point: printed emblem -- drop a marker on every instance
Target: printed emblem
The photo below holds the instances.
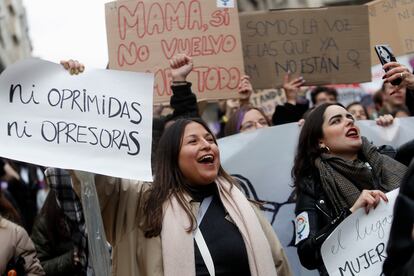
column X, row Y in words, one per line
column 302, row 227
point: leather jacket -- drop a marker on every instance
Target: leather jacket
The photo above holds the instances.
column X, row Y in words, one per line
column 322, row 222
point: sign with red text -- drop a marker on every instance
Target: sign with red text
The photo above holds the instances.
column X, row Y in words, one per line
column 358, row 245
column 144, row 35
column 391, row 22
column 99, row 121
column 325, row 46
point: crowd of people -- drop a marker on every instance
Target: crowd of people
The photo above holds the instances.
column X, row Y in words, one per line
column 193, row 219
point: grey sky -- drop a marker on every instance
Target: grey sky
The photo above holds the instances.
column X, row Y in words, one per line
column 63, row 29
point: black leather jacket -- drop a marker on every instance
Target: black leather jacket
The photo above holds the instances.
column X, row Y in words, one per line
column 322, row 222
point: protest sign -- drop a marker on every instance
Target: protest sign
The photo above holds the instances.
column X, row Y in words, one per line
column 390, row 22
column 144, row 35
column 325, row 46
column 99, row 121
column 267, row 99
column 358, row 244
column 262, row 160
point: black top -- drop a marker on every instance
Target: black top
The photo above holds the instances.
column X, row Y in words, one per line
column 222, row 237
column 289, row 113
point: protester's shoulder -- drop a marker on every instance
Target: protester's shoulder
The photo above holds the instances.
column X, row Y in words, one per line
column 15, row 231
column 309, row 185
column 387, row 150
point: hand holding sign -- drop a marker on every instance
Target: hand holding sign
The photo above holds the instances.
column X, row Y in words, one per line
column 245, row 88
column 53, row 119
column 73, row 66
column 368, row 199
column 291, row 87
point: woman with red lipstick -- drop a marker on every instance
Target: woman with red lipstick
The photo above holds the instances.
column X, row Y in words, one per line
column 336, row 171
column 192, row 220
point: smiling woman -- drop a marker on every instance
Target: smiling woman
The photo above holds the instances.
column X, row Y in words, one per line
column 192, row 220
column 336, row 171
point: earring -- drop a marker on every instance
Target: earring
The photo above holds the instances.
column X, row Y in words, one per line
column 325, row 149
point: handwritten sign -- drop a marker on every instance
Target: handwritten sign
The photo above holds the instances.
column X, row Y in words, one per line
column 358, row 245
column 325, row 46
column 98, row 121
column 390, row 22
column 267, row 99
column 144, row 35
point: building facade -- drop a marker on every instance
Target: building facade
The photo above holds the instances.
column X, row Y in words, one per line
column 14, row 37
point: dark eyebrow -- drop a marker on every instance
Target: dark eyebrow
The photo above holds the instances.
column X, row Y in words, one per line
column 334, row 117
column 349, row 115
column 190, row 136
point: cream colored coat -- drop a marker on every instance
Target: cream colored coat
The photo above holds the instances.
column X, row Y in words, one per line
column 14, row 241
column 133, row 254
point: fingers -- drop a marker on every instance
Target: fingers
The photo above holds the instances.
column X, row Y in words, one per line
column 245, row 87
column 385, row 120
column 371, row 198
column 297, row 82
column 390, row 65
column 395, row 71
column 179, row 60
column 73, row 66
column 286, row 78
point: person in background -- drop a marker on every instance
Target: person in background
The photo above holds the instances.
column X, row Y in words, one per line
column 51, row 236
column 394, row 98
column 401, row 112
column 336, row 171
column 358, row 111
column 17, row 252
column 246, row 118
column 323, row 94
column 231, row 106
column 395, row 71
column 293, row 110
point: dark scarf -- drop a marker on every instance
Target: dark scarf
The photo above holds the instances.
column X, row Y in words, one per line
column 67, row 199
column 343, row 180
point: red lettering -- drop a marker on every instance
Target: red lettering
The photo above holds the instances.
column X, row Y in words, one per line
column 199, row 46
column 155, row 19
column 128, row 19
column 206, row 79
column 130, row 55
column 220, row 18
column 174, row 15
column 159, row 17
column 195, row 16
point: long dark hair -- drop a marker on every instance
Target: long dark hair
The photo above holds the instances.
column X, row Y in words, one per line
column 308, row 145
column 169, row 180
column 7, row 210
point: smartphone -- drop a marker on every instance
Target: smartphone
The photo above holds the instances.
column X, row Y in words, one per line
column 385, row 55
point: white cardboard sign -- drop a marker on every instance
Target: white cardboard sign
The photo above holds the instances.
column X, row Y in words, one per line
column 358, row 245
column 99, row 121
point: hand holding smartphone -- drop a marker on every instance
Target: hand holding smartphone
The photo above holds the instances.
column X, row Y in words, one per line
column 385, row 55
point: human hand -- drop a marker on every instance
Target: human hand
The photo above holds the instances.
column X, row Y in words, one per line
column 245, row 88
column 181, row 65
column 291, row 87
column 9, row 173
column 73, row 66
column 385, row 120
column 395, row 71
column 301, row 122
column 368, row 199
